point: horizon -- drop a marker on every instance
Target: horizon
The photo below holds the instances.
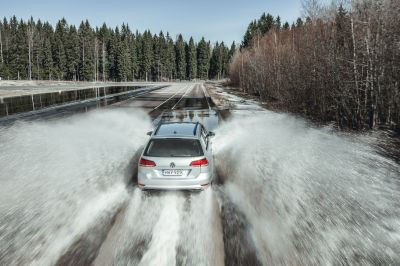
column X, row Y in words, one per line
column 224, row 21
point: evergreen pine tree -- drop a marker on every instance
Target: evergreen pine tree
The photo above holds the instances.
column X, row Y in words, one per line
column 4, row 35
column 203, row 59
column 162, row 56
column 123, row 58
column 170, row 58
column 232, row 50
column 225, row 61
column 214, row 64
column 47, row 60
column 139, row 49
column 191, row 60
column 12, row 53
column 104, row 37
column 86, row 69
column 265, row 23
column 299, row 22
column 180, row 58
column 72, row 54
column 250, row 32
column 286, row 26
column 38, row 41
column 22, row 51
column 278, row 22
column 59, row 57
column 156, row 66
column 134, row 57
column 146, row 55
column 111, row 54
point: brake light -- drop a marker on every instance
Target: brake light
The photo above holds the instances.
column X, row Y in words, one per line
column 146, row 163
column 201, row 162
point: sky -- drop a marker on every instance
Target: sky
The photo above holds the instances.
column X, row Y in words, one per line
column 218, row 20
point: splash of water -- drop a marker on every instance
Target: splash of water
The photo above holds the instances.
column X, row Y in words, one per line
column 60, row 177
column 201, row 238
column 311, row 197
column 161, row 249
column 166, row 228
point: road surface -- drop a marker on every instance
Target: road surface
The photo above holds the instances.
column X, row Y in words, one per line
column 286, row 193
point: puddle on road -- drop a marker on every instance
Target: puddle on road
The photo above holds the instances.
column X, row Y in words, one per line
column 68, row 103
column 208, row 117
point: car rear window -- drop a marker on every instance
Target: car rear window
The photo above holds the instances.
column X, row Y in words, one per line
column 174, row 148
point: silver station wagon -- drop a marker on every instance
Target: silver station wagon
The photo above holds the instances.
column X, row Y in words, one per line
column 178, row 156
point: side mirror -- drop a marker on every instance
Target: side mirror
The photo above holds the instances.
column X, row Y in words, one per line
column 210, row 134
column 149, row 133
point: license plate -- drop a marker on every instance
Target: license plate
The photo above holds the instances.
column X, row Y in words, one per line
column 172, row 172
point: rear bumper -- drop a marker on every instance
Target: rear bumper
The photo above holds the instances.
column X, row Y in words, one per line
column 152, row 187
column 203, row 181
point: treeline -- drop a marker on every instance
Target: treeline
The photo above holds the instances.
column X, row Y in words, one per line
column 34, row 50
column 341, row 64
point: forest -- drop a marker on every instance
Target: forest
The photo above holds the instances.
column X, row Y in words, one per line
column 34, row 50
column 340, row 63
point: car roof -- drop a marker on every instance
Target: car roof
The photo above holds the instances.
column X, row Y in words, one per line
column 177, row 130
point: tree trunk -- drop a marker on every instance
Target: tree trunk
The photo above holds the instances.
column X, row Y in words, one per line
column 30, row 48
column 83, row 58
column 355, row 73
column 103, row 61
column 95, row 60
column 370, row 81
column 30, row 61
column 1, row 48
column 37, row 67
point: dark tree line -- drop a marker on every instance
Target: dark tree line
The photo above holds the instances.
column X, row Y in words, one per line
column 35, row 50
column 341, row 64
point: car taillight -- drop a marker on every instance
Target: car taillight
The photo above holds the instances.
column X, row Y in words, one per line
column 146, row 163
column 202, row 162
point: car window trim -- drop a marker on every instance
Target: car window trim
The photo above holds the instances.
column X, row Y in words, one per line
column 145, row 153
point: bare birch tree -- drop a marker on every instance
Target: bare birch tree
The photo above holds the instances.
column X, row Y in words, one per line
column 341, row 66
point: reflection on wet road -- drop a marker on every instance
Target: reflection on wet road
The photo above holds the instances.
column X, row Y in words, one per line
column 61, row 104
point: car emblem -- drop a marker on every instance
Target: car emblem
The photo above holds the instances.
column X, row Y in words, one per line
column 172, row 165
